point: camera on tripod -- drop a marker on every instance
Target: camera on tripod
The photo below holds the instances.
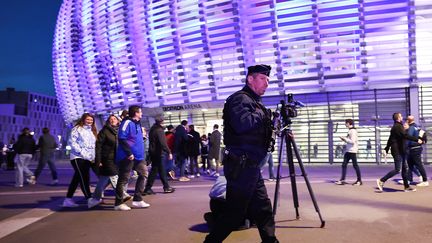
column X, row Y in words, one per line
column 286, row 111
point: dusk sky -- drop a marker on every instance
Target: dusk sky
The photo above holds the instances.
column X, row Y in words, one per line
column 26, row 30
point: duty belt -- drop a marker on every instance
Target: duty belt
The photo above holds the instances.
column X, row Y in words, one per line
column 244, row 160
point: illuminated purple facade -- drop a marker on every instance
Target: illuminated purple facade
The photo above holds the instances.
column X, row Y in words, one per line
column 111, row 54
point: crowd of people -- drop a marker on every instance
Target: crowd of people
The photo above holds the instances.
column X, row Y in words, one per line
column 118, row 154
column 119, row 151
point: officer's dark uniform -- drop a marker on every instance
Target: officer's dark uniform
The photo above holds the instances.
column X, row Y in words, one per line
column 247, row 132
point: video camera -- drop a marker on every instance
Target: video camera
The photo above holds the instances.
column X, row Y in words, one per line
column 285, row 111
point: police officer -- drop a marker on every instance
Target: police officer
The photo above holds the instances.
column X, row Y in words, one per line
column 247, row 136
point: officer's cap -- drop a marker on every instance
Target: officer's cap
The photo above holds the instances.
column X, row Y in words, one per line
column 263, row 69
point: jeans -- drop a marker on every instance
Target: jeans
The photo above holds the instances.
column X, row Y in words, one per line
column 22, row 161
column 168, row 163
column 399, row 161
column 181, row 160
column 157, row 168
column 44, row 159
column 347, row 157
column 268, row 159
column 193, row 164
column 205, row 162
column 103, row 182
column 414, row 161
column 125, row 167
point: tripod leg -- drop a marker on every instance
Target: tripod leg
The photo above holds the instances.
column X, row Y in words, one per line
column 309, row 186
column 292, row 175
column 278, row 175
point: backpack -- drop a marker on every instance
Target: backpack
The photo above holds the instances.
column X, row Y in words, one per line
column 423, row 135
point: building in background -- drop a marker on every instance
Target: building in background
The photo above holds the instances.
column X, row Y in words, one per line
column 344, row 59
column 19, row 109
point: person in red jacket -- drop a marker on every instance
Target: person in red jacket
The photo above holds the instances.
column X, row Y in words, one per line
column 169, row 163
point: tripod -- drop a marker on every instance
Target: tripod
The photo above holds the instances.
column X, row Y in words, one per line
column 287, row 136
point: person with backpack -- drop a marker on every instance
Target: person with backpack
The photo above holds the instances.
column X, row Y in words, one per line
column 414, row 151
column 397, row 143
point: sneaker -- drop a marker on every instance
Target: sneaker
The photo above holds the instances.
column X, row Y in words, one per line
column 340, row 182
column 271, row 179
column 401, row 182
column 92, row 202
column 191, row 176
column 169, row 190
column 54, row 182
column 140, row 204
column 122, row 207
column 380, row 185
column 31, row 180
column 126, row 198
column 148, row 192
column 420, row 178
column 207, row 172
column 198, row 175
column 134, row 175
column 424, row 183
column 69, row 203
column 184, row 179
column 410, row 189
column 216, row 174
column 19, row 185
column 357, row 183
column 171, row 174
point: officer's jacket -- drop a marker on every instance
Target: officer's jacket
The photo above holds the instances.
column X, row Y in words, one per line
column 247, row 124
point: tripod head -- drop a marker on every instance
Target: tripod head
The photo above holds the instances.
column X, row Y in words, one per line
column 284, row 112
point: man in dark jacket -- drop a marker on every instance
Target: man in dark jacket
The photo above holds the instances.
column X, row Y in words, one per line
column 180, row 144
column 25, row 147
column 193, row 151
column 414, row 150
column 47, row 145
column 214, row 150
column 396, row 142
column 247, row 134
column 158, row 145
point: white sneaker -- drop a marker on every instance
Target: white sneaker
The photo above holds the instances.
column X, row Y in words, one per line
column 198, row 175
column 140, row 204
column 424, row 183
column 191, row 176
column 216, row 175
column 184, row 178
column 69, row 203
column 92, row 202
column 31, row 180
column 122, row 207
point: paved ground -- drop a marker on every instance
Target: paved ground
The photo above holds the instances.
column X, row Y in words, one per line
column 352, row 214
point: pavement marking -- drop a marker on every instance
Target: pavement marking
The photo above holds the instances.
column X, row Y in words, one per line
column 17, row 222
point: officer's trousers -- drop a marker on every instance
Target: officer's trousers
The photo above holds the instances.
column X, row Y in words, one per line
column 246, row 196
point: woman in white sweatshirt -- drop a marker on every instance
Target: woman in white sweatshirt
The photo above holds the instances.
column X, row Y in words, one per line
column 82, row 141
column 351, row 150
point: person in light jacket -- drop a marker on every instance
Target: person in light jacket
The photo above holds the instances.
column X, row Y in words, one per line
column 82, row 141
column 351, row 150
